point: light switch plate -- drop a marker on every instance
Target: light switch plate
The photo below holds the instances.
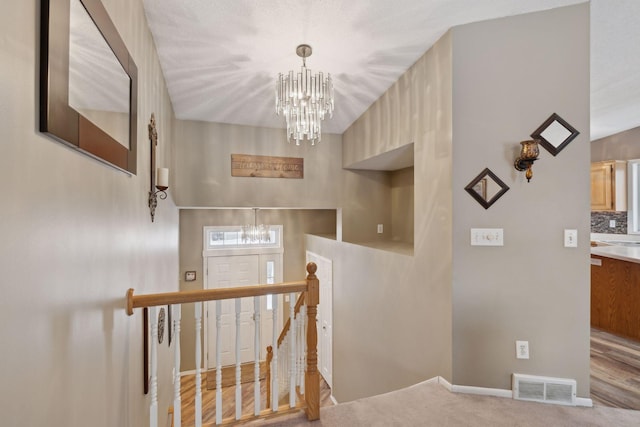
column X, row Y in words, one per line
column 570, row 238
column 487, row 237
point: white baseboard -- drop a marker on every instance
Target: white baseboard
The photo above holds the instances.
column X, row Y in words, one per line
column 192, row 372
column 584, row 401
column 498, row 392
column 333, row 399
column 445, row 383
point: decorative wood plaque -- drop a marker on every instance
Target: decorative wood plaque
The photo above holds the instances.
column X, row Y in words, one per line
column 266, row 166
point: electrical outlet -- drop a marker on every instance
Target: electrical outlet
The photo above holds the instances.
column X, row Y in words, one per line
column 522, row 349
column 380, row 228
column 570, row 238
column 612, row 223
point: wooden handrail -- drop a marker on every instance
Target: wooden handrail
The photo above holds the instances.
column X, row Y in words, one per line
column 183, row 297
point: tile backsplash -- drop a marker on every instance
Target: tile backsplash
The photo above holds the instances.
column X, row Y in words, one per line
column 600, row 222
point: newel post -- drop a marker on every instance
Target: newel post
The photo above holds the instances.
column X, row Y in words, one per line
column 312, row 376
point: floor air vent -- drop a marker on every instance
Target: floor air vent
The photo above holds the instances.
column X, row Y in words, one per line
column 560, row 391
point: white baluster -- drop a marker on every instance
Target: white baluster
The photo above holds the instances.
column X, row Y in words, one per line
column 153, row 407
column 303, row 343
column 274, row 369
column 256, row 346
column 177, row 400
column 300, row 348
column 292, row 351
column 284, row 368
column 238, row 369
column 218, row 363
column 198, row 402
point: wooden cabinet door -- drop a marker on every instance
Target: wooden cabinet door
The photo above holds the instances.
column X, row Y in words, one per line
column 602, row 186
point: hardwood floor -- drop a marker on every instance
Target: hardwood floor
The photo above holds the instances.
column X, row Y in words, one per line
column 615, row 370
column 188, row 392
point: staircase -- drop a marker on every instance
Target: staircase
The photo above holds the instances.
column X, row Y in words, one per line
column 292, row 361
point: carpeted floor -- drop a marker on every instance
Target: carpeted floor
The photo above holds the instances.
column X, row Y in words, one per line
column 431, row 404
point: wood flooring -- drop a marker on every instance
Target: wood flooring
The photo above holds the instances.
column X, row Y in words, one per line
column 615, row 370
column 188, row 392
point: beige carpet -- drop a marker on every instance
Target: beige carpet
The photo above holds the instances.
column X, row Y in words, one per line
column 430, row 404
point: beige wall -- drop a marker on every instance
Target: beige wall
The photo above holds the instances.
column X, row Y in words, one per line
column 402, row 206
column 76, row 234
column 203, row 177
column 621, row 146
column 478, row 92
column 392, row 312
column 296, row 223
column 508, row 77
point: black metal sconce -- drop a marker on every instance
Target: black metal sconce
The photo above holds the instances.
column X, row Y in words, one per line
column 159, row 186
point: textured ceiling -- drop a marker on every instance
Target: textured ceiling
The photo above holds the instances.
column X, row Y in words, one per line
column 220, row 57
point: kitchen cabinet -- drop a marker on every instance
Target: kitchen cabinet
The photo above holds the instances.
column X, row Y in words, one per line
column 609, row 186
column 615, row 296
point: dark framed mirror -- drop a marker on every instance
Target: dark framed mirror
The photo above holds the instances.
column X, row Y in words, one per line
column 88, row 82
column 486, row 188
column 555, row 134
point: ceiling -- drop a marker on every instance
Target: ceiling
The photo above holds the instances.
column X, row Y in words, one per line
column 220, row 58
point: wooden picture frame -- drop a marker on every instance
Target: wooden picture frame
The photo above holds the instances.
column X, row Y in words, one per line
column 57, row 118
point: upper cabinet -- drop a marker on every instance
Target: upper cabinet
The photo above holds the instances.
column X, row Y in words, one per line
column 609, row 186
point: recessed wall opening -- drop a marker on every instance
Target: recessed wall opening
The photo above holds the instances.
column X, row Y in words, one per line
column 394, row 218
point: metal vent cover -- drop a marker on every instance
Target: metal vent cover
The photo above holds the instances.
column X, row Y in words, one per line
column 561, row 391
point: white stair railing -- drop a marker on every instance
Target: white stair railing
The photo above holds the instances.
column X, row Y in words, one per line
column 256, row 355
column 292, row 351
column 198, row 402
column 177, row 400
column 153, row 358
column 288, row 369
column 275, row 395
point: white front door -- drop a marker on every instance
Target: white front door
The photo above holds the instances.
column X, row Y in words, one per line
column 226, row 272
column 325, row 316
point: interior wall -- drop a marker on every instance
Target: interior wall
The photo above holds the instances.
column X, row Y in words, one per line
column 204, row 176
column 399, row 331
column 76, row 234
column 402, row 205
column 296, row 223
column 620, row 146
column 508, row 77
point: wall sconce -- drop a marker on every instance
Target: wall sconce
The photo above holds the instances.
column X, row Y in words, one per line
column 158, row 187
column 528, row 154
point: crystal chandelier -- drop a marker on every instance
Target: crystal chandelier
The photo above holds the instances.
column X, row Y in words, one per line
column 304, row 100
column 255, row 233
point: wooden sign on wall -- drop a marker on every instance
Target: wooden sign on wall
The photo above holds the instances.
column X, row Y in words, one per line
column 266, row 166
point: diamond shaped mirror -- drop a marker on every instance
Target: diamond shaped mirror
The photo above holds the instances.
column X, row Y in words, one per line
column 555, row 134
column 486, row 188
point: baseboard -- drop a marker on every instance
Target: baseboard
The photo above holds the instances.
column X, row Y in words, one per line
column 333, row 399
column 497, row 392
column 445, row 383
column 483, row 391
column 584, row 401
column 192, row 372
